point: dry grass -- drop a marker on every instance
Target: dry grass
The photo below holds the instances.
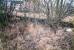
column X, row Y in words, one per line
column 39, row 37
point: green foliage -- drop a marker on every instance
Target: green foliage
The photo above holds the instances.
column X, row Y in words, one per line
column 3, row 16
column 3, row 20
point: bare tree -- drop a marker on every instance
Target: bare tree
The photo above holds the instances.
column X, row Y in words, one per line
column 56, row 10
